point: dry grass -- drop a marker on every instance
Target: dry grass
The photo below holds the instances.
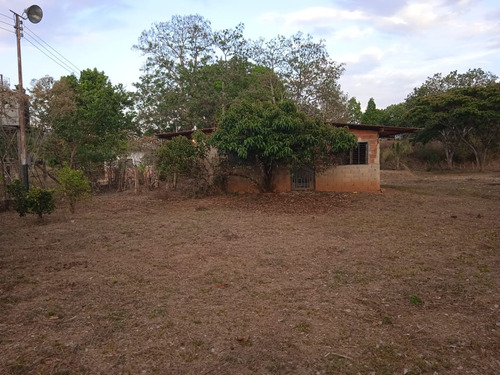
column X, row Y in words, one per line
column 404, row 281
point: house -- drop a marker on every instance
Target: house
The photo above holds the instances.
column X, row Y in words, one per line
column 358, row 170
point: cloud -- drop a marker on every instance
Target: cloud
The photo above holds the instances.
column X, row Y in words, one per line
column 373, row 7
column 352, row 32
column 365, row 61
column 314, row 16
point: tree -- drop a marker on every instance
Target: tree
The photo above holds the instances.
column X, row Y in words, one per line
column 267, row 136
column 477, row 121
column 184, row 86
column 469, row 115
column 394, row 115
column 88, row 119
column 430, row 106
column 74, row 185
column 181, row 156
column 438, row 84
column 355, row 113
column 372, row 115
column 309, row 74
column 35, row 201
column 398, row 151
column 175, row 51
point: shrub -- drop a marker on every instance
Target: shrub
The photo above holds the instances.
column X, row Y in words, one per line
column 41, row 201
column 74, row 185
column 37, row 201
column 18, row 192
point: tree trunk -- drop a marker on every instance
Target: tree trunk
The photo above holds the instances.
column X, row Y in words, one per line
column 268, row 178
column 136, row 180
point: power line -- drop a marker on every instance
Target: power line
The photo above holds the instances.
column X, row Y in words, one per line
column 47, row 52
column 50, row 57
column 10, row 31
column 52, row 48
column 10, row 17
column 7, row 23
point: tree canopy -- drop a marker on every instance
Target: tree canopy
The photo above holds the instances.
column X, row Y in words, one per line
column 372, row 115
column 86, row 118
column 268, row 136
column 469, row 115
column 193, row 74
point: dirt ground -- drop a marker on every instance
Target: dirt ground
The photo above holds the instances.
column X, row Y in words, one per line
column 405, row 281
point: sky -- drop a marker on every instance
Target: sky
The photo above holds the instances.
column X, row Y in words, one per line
column 388, row 47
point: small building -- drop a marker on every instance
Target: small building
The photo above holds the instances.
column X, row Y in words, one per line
column 357, row 170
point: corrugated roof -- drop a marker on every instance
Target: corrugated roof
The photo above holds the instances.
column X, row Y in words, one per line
column 383, row 130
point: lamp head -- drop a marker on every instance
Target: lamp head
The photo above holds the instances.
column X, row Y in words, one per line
column 34, row 13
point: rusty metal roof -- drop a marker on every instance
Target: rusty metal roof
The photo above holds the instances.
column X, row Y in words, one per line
column 185, row 133
column 383, row 130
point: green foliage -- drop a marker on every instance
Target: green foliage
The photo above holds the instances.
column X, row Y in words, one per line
column 394, row 115
column 355, row 113
column 372, row 115
column 74, row 185
column 438, row 84
column 268, row 135
column 468, row 116
column 416, row 300
column 176, row 155
column 182, row 156
column 18, row 192
column 40, row 201
column 194, row 74
column 37, row 201
column 88, row 119
column 398, row 151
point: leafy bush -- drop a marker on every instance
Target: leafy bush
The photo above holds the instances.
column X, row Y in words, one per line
column 18, row 192
column 74, row 185
column 37, row 201
column 41, row 201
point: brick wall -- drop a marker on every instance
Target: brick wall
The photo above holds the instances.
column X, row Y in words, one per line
column 354, row 177
column 337, row 178
column 239, row 184
column 349, row 178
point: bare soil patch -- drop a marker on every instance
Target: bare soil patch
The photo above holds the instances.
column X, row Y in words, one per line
column 405, row 281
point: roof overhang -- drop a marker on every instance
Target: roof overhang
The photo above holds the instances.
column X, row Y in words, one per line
column 382, row 130
column 185, row 133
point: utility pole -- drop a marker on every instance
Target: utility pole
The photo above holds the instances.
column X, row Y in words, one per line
column 34, row 14
column 22, row 119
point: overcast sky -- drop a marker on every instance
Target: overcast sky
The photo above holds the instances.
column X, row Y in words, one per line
column 389, row 46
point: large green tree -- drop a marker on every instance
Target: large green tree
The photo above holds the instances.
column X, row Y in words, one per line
column 372, row 115
column 267, row 136
column 355, row 112
column 175, row 51
column 193, row 74
column 469, row 115
column 438, row 83
column 87, row 118
column 394, row 115
column 182, row 156
column 431, row 104
column 311, row 77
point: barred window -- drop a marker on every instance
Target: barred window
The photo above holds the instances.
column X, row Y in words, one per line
column 358, row 155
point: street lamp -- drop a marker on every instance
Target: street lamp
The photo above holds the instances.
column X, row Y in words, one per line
column 34, row 14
